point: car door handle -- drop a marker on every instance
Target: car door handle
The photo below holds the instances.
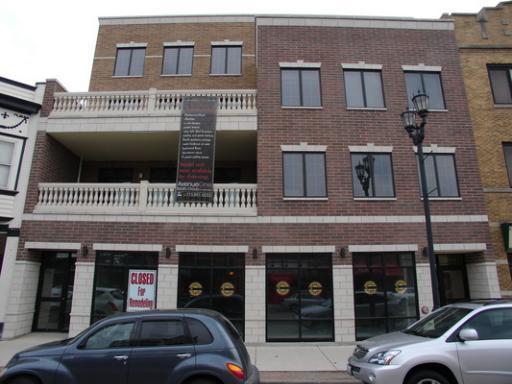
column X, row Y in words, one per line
column 183, row 355
column 121, row 357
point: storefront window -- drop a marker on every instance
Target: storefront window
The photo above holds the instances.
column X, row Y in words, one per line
column 385, row 293
column 299, row 297
column 213, row 281
column 112, row 282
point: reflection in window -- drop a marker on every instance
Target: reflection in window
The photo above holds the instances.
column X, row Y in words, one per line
column 441, row 175
column 304, row 174
column 111, row 336
column 372, row 175
column 130, row 62
column 427, row 82
column 363, row 89
column 385, row 292
column 501, row 84
column 177, row 61
column 300, row 88
column 162, row 332
column 495, row 324
column 226, row 60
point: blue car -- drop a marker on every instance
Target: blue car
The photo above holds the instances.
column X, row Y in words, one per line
column 189, row 346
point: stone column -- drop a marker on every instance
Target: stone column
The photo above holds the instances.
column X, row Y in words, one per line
column 344, row 310
column 81, row 307
column 255, row 303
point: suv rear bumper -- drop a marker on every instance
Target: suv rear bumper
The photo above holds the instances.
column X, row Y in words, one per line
column 255, row 376
column 374, row 373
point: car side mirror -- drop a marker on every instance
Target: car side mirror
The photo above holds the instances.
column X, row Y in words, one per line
column 468, row 334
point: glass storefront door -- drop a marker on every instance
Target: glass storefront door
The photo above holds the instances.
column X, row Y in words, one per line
column 213, row 281
column 299, row 297
column 453, row 281
column 385, row 294
column 55, row 292
column 111, row 280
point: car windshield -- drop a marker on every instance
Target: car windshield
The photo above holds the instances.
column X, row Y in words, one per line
column 438, row 322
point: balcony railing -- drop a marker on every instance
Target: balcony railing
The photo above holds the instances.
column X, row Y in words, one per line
column 143, row 198
column 67, row 104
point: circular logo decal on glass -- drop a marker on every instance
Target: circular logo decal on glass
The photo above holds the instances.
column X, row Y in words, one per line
column 195, row 288
column 227, row 289
column 400, row 286
column 370, row 288
column 282, row 288
column 315, row 288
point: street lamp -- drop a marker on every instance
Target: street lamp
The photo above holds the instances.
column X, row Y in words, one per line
column 416, row 131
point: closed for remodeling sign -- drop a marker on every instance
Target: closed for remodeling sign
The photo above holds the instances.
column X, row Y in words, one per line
column 141, row 290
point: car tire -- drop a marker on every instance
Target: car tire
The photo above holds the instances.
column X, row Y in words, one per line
column 23, row 380
column 428, row 377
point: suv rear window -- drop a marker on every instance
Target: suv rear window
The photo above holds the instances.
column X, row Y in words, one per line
column 200, row 334
column 162, row 332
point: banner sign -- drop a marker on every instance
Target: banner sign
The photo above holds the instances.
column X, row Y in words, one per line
column 194, row 181
column 141, row 290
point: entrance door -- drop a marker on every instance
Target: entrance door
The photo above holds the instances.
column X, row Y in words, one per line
column 55, row 292
column 453, row 279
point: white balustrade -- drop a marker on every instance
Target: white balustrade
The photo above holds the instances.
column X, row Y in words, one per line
column 143, row 198
column 68, row 104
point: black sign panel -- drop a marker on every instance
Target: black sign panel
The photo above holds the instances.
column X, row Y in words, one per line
column 194, row 181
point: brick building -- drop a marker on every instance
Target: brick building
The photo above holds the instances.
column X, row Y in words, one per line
column 316, row 231
column 485, row 47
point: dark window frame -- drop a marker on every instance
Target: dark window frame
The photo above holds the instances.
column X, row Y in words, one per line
column 301, row 93
column 508, row 166
column 226, row 54
column 365, row 101
column 421, row 73
column 304, row 174
column 178, row 48
column 436, row 174
column 370, row 154
column 507, row 67
column 130, row 61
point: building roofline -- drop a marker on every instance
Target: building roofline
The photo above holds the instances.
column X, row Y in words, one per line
column 469, row 14
column 17, row 83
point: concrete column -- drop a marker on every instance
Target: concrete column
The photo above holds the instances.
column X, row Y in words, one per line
column 255, row 303
column 167, row 289
column 80, row 317
column 8, row 266
column 21, row 299
column 424, row 287
column 344, row 310
column 483, row 280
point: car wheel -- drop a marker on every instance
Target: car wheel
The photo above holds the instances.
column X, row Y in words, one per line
column 23, row 380
column 427, row 377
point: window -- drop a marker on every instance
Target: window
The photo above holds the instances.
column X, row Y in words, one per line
column 372, row 175
column 507, row 150
column 112, row 336
column 363, row 89
column 6, row 152
column 304, row 174
column 300, row 88
column 130, row 62
column 441, row 175
column 226, row 60
column 428, row 82
column 200, row 334
column 493, row 324
column 177, row 61
column 501, row 83
column 162, row 332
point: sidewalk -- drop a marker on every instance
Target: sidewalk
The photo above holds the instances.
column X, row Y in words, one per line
column 278, row 362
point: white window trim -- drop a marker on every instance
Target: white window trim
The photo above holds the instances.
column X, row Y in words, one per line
column 460, row 247
column 422, row 68
column 433, row 148
column 213, row 248
column 370, row 148
column 52, row 246
column 15, row 161
column 227, row 42
column 383, row 248
column 132, row 44
column 362, row 65
column 298, row 249
column 299, row 64
column 303, row 147
column 179, row 43
column 127, row 247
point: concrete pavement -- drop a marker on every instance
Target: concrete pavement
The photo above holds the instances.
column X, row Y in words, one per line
column 278, row 362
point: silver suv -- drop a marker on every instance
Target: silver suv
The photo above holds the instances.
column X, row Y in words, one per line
column 464, row 343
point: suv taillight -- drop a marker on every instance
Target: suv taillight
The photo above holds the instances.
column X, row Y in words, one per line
column 235, row 370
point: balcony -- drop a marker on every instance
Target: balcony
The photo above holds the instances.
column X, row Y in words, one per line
column 142, row 199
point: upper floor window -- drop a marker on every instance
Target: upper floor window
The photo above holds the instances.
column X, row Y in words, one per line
column 501, row 83
column 6, row 157
column 304, row 174
column 507, row 150
column 363, row 89
column 300, row 87
column 226, row 60
column 372, row 175
column 427, row 82
column 130, row 62
column 441, row 175
column 177, row 60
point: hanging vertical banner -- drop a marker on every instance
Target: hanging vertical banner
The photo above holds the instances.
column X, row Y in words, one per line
column 194, row 181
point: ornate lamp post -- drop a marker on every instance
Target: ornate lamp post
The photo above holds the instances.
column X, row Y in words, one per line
column 416, row 131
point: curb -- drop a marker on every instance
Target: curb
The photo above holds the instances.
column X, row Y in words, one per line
column 297, row 377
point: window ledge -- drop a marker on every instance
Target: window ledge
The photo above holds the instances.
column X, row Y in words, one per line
column 443, row 199
column 225, row 74
column 305, row 198
column 8, row 192
column 177, row 75
column 502, row 105
column 438, row 110
column 375, row 198
column 300, row 107
column 365, row 109
column 127, row 76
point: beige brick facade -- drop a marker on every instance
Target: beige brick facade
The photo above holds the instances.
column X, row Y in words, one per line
column 486, row 38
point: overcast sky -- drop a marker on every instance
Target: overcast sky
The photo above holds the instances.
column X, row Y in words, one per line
column 43, row 39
